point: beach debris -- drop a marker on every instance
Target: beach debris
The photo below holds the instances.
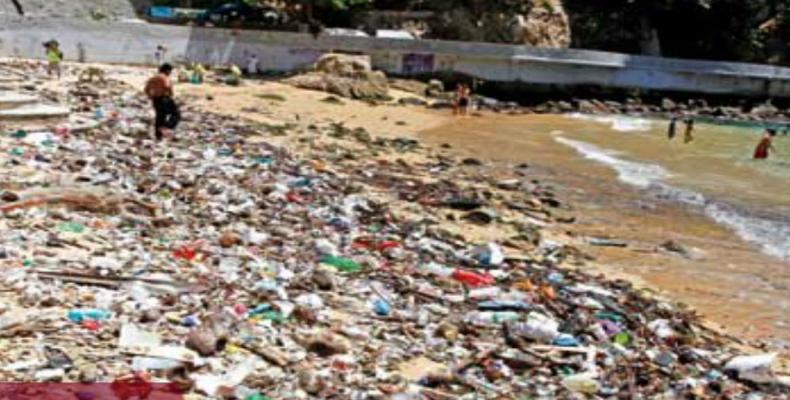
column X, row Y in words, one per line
column 237, row 268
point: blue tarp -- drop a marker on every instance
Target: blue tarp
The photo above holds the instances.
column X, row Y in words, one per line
column 162, row 12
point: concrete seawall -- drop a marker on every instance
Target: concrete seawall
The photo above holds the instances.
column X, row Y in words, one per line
column 135, row 43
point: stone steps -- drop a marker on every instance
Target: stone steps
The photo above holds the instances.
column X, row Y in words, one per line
column 33, row 111
column 16, row 106
column 10, row 100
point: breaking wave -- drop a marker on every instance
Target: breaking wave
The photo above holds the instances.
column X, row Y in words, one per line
column 635, row 173
column 770, row 233
column 617, row 122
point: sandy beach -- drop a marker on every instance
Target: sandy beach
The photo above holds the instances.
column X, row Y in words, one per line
column 451, row 178
column 587, row 187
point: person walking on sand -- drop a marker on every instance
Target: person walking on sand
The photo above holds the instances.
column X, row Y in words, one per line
column 161, row 54
column 462, row 99
column 54, row 58
column 689, row 136
column 766, row 145
column 252, row 65
column 673, row 126
column 160, row 90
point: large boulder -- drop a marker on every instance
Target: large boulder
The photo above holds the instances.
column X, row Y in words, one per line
column 349, row 76
column 343, row 64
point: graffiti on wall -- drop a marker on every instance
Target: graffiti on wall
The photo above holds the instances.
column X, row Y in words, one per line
column 417, row 63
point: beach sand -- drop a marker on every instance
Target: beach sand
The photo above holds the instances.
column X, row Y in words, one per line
column 604, row 207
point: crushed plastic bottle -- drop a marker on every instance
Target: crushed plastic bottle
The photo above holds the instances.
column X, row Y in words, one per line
column 341, row 263
column 472, row 278
column 88, row 314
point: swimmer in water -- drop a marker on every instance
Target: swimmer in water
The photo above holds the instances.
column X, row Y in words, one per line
column 672, row 130
column 766, row 145
column 689, row 137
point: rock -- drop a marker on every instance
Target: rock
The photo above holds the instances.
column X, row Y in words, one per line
column 509, row 184
column 311, row 382
column 343, row 64
column 412, row 101
column 668, row 105
column 546, row 25
column 229, row 239
column 345, row 76
column 89, row 373
column 203, row 340
column 327, row 344
column 471, row 162
column 447, row 331
column 481, row 217
column 435, row 88
column 409, row 85
column 564, row 106
column 764, row 110
column 587, row 107
column 9, row 196
column 323, row 280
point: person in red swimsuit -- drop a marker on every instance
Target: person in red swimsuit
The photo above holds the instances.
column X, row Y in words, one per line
column 766, row 146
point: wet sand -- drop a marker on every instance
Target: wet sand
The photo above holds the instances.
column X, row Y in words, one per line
column 731, row 283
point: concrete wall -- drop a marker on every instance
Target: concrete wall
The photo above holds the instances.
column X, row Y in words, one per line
column 135, row 43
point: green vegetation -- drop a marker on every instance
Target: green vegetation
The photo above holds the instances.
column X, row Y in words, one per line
column 742, row 30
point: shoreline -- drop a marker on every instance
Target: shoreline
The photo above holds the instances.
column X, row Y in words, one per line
column 305, row 117
column 415, row 122
column 375, row 120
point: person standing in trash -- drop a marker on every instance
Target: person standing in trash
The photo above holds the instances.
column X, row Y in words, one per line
column 54, row 57
column 160, row 90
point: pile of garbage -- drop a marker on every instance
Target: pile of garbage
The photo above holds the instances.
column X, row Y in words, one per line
column 233, row 268
column 349, row 76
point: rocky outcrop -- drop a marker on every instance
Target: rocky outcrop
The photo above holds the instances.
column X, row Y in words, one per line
column 346, row 76
column 546, row 25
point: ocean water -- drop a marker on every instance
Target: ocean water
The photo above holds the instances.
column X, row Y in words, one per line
column 715, row 173
column 624, row 179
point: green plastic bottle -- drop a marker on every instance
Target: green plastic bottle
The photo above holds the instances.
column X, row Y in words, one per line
column 342, row 263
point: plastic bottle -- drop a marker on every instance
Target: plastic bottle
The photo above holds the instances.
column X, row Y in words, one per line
column 472, row 278
column 342, row 264
column 88, row 314
column 326, row 248
column 381, row 307
column 490, row 255
column 565, row 340
column 259, row 309
column 502, row 305
column 581, row 383
column 484, row 293
column 492, row 318
column 538, row 327
column 438, row 270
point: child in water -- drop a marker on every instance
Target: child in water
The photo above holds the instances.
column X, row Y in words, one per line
column 766, row 146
